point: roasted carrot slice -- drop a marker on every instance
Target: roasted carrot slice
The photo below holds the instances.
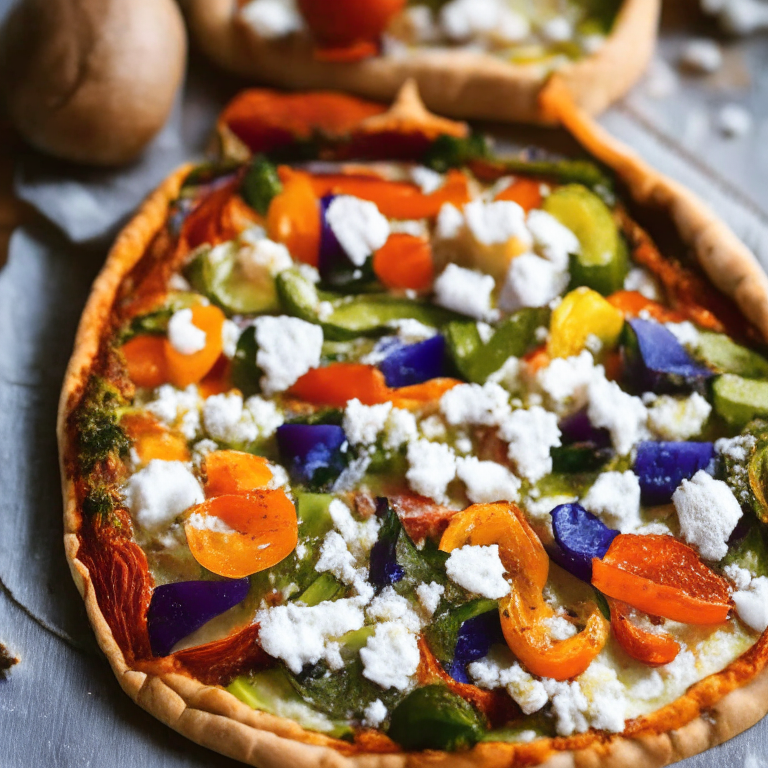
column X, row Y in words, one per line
column 650, row 648
column 235, row 472
column 145, row 360
column 184, row 370
column 525, row 192
column 263, row 532
column 663, row 577
column 153, row 440
column 293, row 217
column 405, row 261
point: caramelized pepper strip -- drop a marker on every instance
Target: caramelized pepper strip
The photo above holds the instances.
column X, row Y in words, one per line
column 632, row 303
column 650, row 648
column 663, row 577
column 524, row 610
column 336, row 384
column 264, row 531
column 404, row 262
column 525, row 192
column 293, row 217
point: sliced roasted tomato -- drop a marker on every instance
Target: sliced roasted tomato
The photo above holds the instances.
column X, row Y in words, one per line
column 184, row 370
column 235, row 472
column 524, row 611
column 293, row 217
column 395, row 199
column 145, row 360
column 340, row 23
column 663, row 577
column 338, row 383
column 632, row 303
column 153, row 440
column 525, row 192
column 652, row 648
column 235, row 535
column 403, row 262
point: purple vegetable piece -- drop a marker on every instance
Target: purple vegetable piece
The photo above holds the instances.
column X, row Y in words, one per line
column 661, row 467
column 332, row 256
column 307, row 448
column 657, row 362
column 177, row 610
column 414, row 363
column 579, row 536
column 577, row 428
column 384, row 569
column 475, row 639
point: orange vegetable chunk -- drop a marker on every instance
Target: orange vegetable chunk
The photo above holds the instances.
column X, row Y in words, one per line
column 153, row 440
column 145, row 360
column 405, row 261
column 663, row 577
column 293, row 217
column 525, row 192
column 524, row 610
column 632, row 303
column 650, row 648
column 265, row 531
column 235, row 472
column 184, row 370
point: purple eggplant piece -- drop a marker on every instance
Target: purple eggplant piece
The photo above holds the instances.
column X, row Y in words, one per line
column 661, row 467
column 384, row 569
column 577, row 428
column 579, row 537
column 475, row 639
column 177, row 610
column 414, row 363
column 657, row 361
column 307, row 448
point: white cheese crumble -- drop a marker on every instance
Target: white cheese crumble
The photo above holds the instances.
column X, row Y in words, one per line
column 426, row 179
column 531, row 281
column 228, row 420
column 531, row 434
column 740, row 577
column 261, row 257
column 475, row 404
column 641, row 280
column 184, row 336
column 478, row 569
column 673, row 418
column 362, row 423
column 708, row 512
column 686, row 333
column 559, row 628
column 566, row 380
column 449, row 223
column 499, row 670
column 615, row 499
column 429, row 596
column 496, row 222
column 431, row 467
column 487, row 481
column 551, row 239
column 288, row 348
column 465, row 291
column 411, row 331
column 391, row 656
column 179, row 408
column 389, row 606
column 300, row 634
column 336, row 559
column 230, row 335
column 272, row 18
column 358, row 225
column 208, row 523
column 160, row 492
column 623, row 415
column 375, row 714
column 433, row 427
column 359, row 536
column 752, row 604
column 400, row 428
column 465, row 19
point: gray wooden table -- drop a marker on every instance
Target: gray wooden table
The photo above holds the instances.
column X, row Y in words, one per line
column 61, row 706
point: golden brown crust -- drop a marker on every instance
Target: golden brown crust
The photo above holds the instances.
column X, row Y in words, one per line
column 712, row 711
column 455, row 83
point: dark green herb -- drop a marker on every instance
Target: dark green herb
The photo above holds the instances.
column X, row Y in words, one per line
column 260, row 184
column 99, row 433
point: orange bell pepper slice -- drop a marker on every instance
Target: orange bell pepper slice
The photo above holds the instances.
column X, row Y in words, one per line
column 218, row 380
column 650, row 648
column 145, row 360
column 265, row 531
column 394, row 199
column 293, row 217
column 235, row 472
column 184, row 370
column 632, row 303
column 338, row 383
column 153, row 440
column 662, row 576
column 404, row 262
column 525, row 192
column 524, row 610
